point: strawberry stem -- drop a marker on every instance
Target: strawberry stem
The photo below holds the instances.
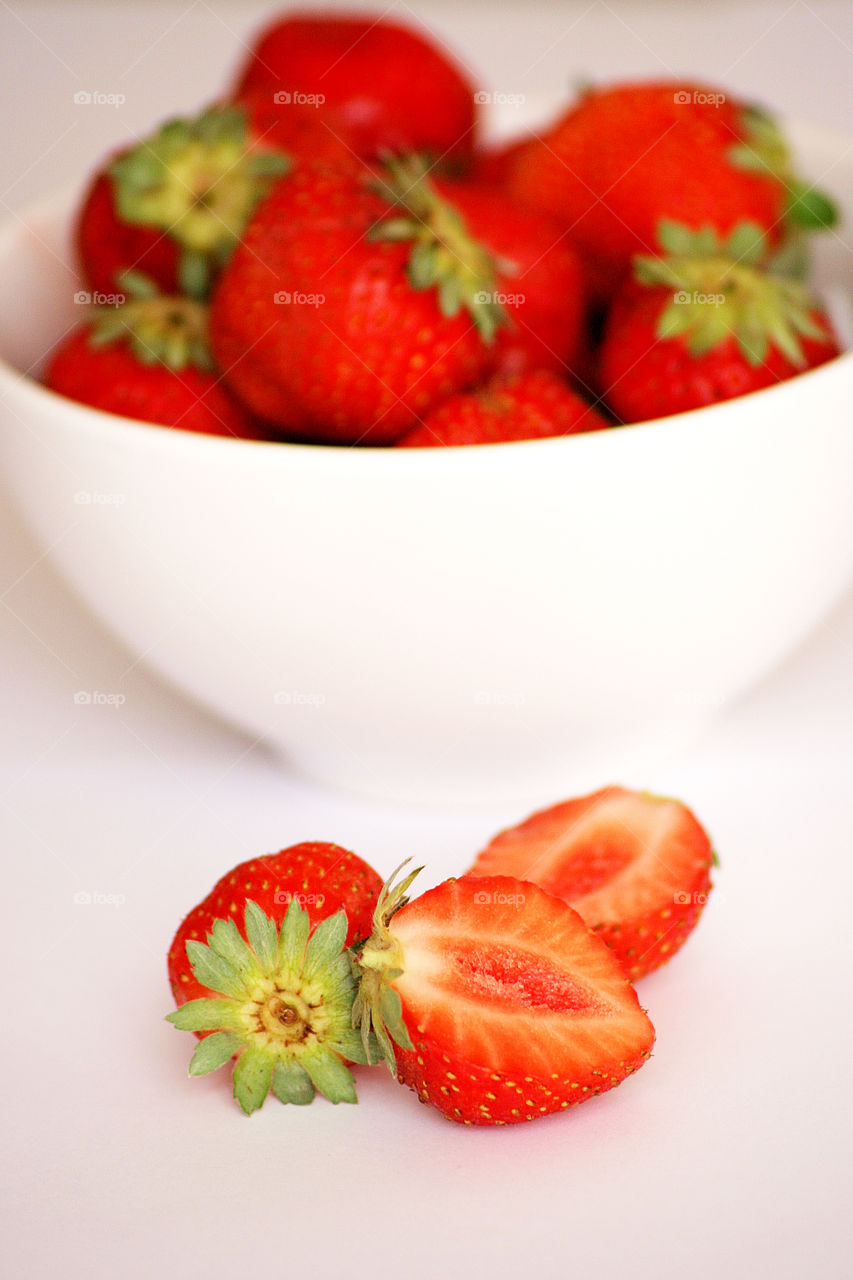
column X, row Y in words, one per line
column 198, row 180
column 444, row 254
column 377, row 1007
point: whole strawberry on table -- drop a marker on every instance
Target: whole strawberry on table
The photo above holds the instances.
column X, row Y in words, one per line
column 371, row 267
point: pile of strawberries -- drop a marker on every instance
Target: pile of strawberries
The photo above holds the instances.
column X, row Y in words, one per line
column 330, row 255
column 500, row 996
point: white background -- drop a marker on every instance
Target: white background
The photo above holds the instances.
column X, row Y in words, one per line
column 727, row 1154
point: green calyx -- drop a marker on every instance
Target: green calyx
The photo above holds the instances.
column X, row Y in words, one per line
column 377, row 1009
column 719, row 292
column 444, row 256
column 198, row 181
column 159, row 329
column 285, row 1008
column 764, row 150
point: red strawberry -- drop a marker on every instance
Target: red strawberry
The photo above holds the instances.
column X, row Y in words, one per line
column 502, row 1004
column 173, row 206
column 493, row 164
column 148, row 359
column 636, row 867
column 389, row 86
column 325, row 878
column 527, row 406
column 628, row 156
column 540, row 281
column 262, row 989
column 301, row 131
column 354, row 304
column 705, row 325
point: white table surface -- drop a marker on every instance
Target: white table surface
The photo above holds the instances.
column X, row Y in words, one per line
column 729, row 1154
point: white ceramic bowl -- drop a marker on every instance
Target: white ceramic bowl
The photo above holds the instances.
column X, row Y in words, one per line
column 449, row 625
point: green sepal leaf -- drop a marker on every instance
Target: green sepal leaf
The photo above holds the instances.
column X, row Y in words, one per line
column 291, row 1083
column 753, row 346
column 349, row 1045
column 810, row 208
column 792, row 258
column 205, row 1014
column 193, row 275
column 213, row 1052
column 387, row 1048
column 228, row 943
column 253, row 1073
column 393, row 230
column 262, row 935
column 329, row 1076
column 675, row 319
column 325, row 944
column 391, row 1008
column 137, row 285
column 269, row 164
column 676, row 239
column 213, row 972
column 423, row 266
column 746, row 242
column 293, row 938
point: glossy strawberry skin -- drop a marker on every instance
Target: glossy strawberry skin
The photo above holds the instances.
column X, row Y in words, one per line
column 626, row 157
column 302, row 132
column 112, row 379
column 388, row 86
column 357, row 354
column 637, row 867
column 643, row 377
column 569, row 1024
column 324, row 877
column 492, row 165
column 543, row 287
column 525, row 406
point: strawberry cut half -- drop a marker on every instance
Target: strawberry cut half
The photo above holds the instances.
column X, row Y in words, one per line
column 636, row 866
column 492, row 1000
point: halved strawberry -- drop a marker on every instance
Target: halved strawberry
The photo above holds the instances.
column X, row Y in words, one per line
column 636, row 866
column 503, row 1006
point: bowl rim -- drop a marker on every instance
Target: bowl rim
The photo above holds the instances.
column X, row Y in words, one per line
column 60, row 204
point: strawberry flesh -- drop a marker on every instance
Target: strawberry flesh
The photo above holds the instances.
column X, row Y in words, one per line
column 636, row 867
